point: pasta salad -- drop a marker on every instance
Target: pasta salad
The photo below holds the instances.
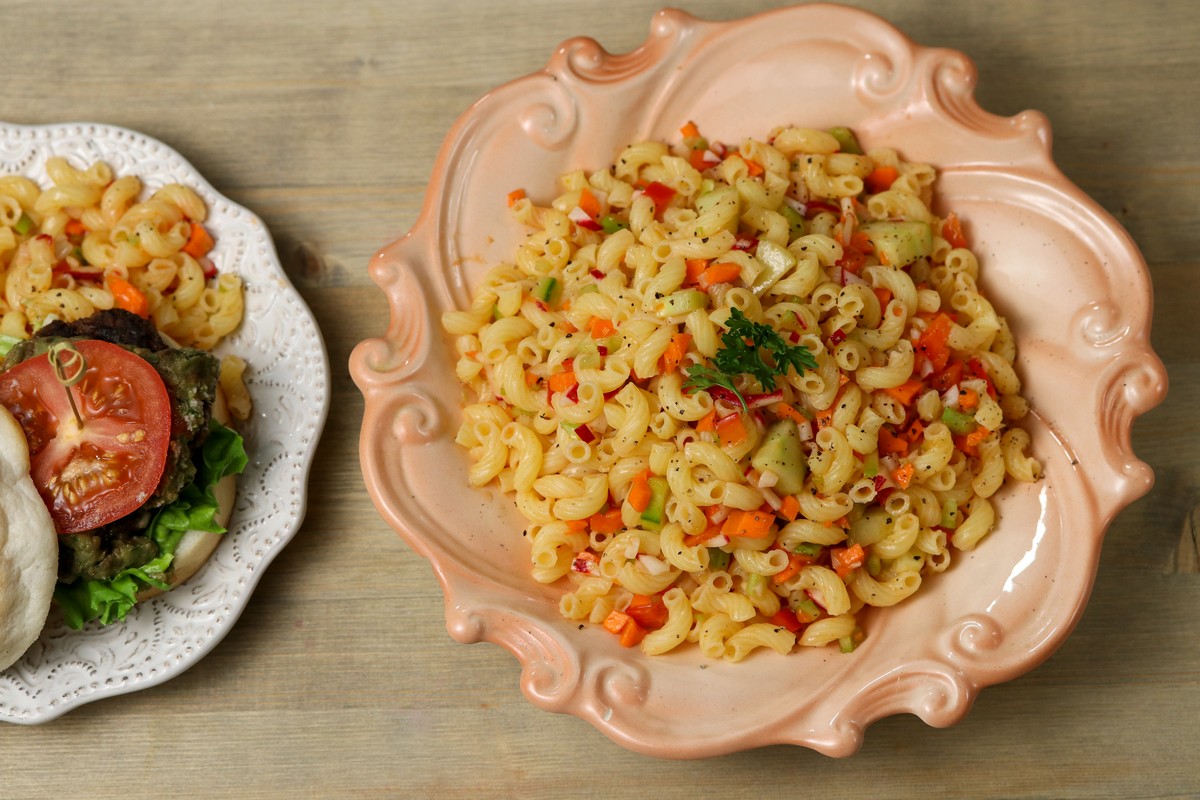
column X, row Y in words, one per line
column 741, row 393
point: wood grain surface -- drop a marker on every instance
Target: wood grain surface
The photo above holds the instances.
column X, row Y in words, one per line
column 340, row 679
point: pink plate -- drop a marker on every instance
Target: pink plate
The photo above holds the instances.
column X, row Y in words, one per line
column 1070, row 280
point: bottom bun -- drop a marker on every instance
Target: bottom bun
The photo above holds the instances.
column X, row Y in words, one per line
column 196, row 546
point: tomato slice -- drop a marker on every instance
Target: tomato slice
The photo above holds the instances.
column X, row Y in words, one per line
column 96, row 473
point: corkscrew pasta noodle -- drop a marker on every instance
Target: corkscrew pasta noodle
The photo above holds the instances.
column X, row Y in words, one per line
column 741, row 393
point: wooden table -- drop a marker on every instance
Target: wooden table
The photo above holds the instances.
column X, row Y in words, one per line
column 340, row 679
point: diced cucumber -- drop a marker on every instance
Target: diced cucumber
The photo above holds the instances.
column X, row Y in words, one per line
column 721, row 205
column 656, row 512
column 899, row 243
column 717, row 558
column 776, row 262
column 847, row 140
column 795, row 222
column 547, row 290
column 780, row 453
column 680, row 303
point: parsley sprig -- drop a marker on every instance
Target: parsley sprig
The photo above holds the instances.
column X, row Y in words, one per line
column 749, row 348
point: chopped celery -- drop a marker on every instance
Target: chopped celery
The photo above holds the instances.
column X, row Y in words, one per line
column 871, row 464
column 755, row 583
column 24, row 224
column 717, row 558
column 957, row 421
column 810, row 549
column 680, row 303
column 847, row 644
column 807, row 611
column 950, row 514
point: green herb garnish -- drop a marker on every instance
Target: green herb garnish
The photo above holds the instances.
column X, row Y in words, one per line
column 750, row 348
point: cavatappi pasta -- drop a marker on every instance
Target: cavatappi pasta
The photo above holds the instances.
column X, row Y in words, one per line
column 741, row 393
column 89, row 241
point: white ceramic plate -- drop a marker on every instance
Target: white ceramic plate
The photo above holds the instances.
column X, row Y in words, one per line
column 288, row 378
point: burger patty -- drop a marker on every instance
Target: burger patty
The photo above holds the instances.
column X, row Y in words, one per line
column 190, row 376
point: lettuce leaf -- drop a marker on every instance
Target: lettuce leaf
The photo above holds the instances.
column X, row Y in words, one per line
column 223, row 453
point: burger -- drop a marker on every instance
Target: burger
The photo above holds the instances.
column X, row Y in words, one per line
column 131, row 453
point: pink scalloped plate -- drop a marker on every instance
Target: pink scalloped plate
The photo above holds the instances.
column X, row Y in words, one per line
column 1071, row 282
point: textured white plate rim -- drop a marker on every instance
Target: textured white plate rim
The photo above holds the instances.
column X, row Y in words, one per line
column 244, row 246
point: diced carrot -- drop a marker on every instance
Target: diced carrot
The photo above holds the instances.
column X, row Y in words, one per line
column 600, row 328
column 952, row 231
column 649, row 611
column 693, row 269
column 975, row 437
column 127, row 296
column 824, row 417
column 905, row 392
column 74, row 228
column 698, row 158
column 731, row 430
column 690, row 131
column 711, row 532
column 675, row 352
column 934, row 341
column 903, row 475
column 199, row 242
column 561, row 381
column 530, row 379
column 632, row 634
column 748, row 524
column 881, row 179
column 577, row 525
column 606, row 521
column 968, row 398
column 755, row 168
column 615, row 621
column 890, row 444
column 588, row 203
column 708, row 422
column 790, row 508
column 914, row 432
column 515, row 196
column 795, row 564
column 565, row 326
column 789, row 411
column 883, row 294
column 721, row 272
column 845, row 560
column 861, row 242
column 639, row 491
